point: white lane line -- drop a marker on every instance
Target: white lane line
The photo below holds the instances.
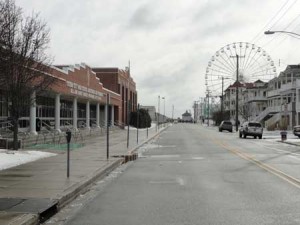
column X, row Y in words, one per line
column 291, row 154
column 180, row 181
column 198, row 158
column 168, row 146
column 295, row 157
column 165, row 156
column 162, row 182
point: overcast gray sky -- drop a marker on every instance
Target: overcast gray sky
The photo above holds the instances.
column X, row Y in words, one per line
column 168, row 42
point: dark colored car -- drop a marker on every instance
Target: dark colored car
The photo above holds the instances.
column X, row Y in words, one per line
column 296, row 131
column 254, row 129
column 225, row 125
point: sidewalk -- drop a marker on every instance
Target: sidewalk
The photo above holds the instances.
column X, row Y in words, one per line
column 33, row 192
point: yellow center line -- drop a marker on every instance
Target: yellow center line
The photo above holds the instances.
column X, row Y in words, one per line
column 290, row 179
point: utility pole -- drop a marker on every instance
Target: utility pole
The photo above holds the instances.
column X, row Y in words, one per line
column 158, row 114
column 137, row 123
column 164, row 116
column 194, row 110
column 222, row 97
column 237, row 94
column 237, row 90
column 207, row 107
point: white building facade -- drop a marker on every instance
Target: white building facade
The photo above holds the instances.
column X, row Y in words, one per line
column 276, row 103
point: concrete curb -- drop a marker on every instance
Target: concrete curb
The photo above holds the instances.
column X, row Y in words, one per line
column 70, row 194
column 289, row 143
column 77, row 189
column 21, row 218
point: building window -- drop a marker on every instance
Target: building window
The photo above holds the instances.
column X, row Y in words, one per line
column 93, row 112
column 81, row 110
column 45, row 107
column 66, row 109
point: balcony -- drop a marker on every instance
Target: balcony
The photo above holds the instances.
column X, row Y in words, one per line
column 273, row 93
column 281, row 108
column 287, row 87
column 256, row 98
column 275, row 109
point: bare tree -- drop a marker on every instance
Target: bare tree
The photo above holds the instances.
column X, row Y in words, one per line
column 24, row 66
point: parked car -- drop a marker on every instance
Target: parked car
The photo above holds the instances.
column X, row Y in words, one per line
column 296, row 131
column 225, row 125
column 254, row 129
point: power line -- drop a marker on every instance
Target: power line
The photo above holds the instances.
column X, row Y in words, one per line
column 260, row 32
column 285, row 37
column 283, row 14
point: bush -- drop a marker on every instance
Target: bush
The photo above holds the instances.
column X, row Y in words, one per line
column 144, row 119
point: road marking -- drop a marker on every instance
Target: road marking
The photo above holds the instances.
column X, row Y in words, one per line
column 180, row 181
column 283, row 151
column 162, row 182
column 294, row 157
column 168, row 146
column 165, row 156
column 294, row 181
column 198, row 158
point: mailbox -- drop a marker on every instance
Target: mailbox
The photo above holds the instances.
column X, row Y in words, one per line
column 68, row 136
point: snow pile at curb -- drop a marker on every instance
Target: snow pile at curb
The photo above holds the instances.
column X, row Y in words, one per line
column 9, row 158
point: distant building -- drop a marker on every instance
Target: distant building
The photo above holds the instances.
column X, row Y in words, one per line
column 151, row 111
column 187, row 117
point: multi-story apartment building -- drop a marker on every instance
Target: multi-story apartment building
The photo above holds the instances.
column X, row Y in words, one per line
column 275, row 103
column 230, row 100
column 281, row 98
column 254, row 99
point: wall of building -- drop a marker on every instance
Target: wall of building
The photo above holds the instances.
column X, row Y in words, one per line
column 122, row 82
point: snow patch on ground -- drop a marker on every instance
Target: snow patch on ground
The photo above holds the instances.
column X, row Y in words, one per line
column 9, row 158
column 153, row 125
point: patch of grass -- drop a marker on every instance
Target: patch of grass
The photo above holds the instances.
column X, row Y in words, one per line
column 61, row 147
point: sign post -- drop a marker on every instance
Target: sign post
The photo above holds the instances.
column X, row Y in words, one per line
column 128, row 121
column 137, row 124
column 107, row 126
column 68, row 137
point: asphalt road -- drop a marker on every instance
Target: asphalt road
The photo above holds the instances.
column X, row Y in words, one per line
column 192, row 174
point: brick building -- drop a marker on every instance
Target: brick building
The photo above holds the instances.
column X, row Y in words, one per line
column 119, row 81
column 78, row 99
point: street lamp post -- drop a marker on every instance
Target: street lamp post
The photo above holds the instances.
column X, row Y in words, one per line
column 173, row 113
column 268, row 32
column 158, row 114
column 164, row 116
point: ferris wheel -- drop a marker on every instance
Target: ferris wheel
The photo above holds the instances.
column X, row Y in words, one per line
column 253, row 64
